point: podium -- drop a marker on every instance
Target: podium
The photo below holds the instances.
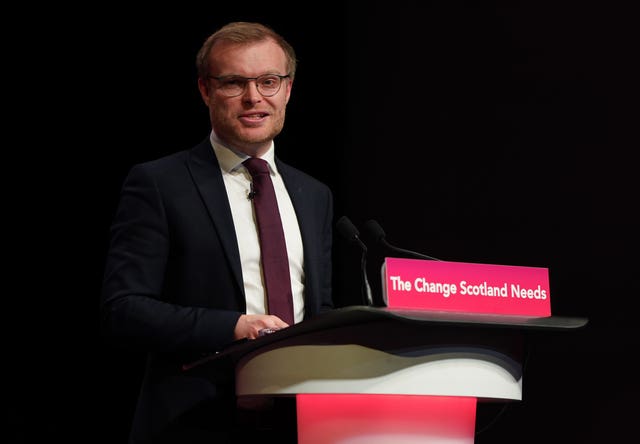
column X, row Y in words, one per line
column 373, row 375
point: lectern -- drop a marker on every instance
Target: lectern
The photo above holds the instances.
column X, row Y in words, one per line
column 378, row 375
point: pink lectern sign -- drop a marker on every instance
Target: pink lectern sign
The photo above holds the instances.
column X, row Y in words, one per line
column 466, row 287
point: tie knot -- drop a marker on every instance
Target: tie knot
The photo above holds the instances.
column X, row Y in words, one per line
column 256, row 166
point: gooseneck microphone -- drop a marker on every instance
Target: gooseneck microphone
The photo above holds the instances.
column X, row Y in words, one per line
column 378, row 234
column 351, row 233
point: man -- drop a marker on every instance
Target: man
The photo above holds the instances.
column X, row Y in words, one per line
column 183, row 273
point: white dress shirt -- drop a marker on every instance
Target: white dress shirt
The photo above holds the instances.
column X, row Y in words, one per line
column 237, row 181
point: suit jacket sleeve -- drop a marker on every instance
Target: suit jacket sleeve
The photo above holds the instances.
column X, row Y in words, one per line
column 167, row 284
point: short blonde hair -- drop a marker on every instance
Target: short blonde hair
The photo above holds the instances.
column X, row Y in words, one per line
column 243, row 33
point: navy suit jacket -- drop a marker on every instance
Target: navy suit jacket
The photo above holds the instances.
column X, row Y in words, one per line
column 173, row 279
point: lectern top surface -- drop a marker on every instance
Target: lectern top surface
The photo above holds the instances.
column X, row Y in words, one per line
column 343, row 319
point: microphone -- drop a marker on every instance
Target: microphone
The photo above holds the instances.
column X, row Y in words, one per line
column 351, row 233
column 378, row 234
column 252, row 193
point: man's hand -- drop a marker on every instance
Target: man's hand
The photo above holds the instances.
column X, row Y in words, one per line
column 249, row 326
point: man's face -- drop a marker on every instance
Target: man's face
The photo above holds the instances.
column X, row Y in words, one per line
column 249, row 121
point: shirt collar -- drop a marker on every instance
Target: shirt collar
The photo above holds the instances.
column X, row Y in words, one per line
column 230, row 159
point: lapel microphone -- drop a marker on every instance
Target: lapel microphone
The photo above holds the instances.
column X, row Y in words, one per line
column 252, row 193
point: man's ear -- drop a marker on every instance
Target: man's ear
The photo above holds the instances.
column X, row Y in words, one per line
column 205, row 91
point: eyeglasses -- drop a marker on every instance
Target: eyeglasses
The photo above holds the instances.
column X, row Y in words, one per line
column 267, row 84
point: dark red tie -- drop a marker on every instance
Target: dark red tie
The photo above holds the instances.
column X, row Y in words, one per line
column 275, row 263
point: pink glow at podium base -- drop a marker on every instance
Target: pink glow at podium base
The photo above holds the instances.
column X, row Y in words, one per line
column 377, row 419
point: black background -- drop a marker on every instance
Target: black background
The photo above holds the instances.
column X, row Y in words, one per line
column 497, row 134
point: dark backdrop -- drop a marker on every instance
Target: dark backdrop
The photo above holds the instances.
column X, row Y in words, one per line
column 497, row 134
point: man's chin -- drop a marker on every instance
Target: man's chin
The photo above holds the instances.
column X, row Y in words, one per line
column 253, row 146
column 257, row 137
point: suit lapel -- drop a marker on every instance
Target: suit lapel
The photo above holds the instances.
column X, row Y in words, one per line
column 298, row 197
column 303, row 206
column 207, row 176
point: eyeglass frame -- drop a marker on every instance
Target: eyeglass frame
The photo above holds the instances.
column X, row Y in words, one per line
column 246, row 80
